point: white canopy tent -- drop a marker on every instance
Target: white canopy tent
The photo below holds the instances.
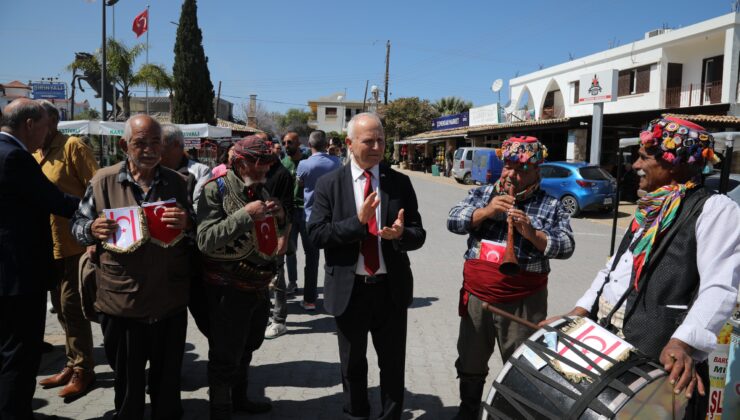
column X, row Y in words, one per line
column 111, row 128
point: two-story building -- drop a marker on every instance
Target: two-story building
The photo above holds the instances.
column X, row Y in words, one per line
column 333, row 112
column 13, row 90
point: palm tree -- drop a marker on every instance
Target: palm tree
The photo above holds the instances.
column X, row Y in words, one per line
column 120, row 69
column 452, row 105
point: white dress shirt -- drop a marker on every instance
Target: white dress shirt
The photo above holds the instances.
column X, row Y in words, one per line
column 718, row 262
column 358, row 186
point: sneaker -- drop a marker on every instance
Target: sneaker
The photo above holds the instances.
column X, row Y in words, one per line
column 275, row 330
column 291, row 288
column 308, row 306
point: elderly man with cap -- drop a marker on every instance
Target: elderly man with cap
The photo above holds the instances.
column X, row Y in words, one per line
column 238, row 229
column 542, row 232
column 673, row 282
column 142, row 270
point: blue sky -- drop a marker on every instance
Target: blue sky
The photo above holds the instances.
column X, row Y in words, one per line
column 288, row 52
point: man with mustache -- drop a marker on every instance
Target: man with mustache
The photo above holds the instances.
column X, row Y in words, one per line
column 673, row 282
column 142, row 290
column 542, row 232
column 238, row 229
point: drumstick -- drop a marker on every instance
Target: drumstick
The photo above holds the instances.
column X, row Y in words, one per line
column 510, row 316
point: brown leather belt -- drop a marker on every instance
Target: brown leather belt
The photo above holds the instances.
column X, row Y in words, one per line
column 378, row 278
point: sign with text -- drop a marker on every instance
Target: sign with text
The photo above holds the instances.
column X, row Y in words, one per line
column 192, row 143
column 486, row 115
column 597, row 87
column 44, row 90
column 450, row 121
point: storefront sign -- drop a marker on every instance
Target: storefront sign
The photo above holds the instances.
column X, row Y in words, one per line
column 192, row 143
column 450, row 121
column 41, row 90
column 486, row 115
column 599, row 86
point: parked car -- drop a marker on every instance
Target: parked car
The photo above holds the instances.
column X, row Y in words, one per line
column 579, row 186
column 463, row 163
column 486, row 166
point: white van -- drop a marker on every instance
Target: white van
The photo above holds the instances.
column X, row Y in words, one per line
column 463, row 163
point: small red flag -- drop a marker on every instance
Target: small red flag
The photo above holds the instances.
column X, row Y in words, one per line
column 141, row 23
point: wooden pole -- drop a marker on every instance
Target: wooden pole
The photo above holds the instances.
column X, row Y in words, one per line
column 510, row 316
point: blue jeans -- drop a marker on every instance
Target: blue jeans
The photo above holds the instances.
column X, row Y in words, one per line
column 311, row 271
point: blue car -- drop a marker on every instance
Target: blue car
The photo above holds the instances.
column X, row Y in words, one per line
column 579, row 186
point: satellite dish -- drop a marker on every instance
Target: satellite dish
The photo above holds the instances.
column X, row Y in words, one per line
column 497, row 85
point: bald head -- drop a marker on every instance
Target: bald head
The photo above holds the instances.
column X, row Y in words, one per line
column 26, row 120
column 143, row 141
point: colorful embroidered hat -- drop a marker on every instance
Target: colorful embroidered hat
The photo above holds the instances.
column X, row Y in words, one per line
column 253, row 148
column 524, row 150
column 679, row 141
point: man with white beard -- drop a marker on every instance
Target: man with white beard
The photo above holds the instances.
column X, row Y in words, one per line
column 238, row 230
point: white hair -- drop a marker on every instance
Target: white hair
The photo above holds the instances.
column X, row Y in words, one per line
column 172, row 134
column 362, row 115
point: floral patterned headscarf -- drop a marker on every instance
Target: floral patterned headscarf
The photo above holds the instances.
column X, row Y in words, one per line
column 677, row 141
column 526, row 150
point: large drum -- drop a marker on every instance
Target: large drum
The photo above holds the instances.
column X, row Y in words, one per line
column 575, row 369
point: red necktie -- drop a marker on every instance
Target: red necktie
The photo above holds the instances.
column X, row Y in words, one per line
column 370, row 243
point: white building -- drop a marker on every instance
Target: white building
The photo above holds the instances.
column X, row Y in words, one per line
column 333, row 112
column 690, row 67
column 13, row 90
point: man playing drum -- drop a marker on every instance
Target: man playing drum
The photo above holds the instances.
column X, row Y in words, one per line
column 543, row 232
column 674, row 278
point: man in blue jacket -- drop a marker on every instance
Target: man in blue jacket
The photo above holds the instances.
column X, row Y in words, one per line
column 27, row 198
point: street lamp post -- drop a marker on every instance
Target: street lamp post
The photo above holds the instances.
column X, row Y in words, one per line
column 103, row 60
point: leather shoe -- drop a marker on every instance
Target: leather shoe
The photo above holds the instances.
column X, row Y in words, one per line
column 61, row 378
column 80, row 382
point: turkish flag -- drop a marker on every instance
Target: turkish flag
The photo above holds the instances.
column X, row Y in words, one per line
column 158, row 230
column 141, row 23
column 492, row 251
column 265, row 231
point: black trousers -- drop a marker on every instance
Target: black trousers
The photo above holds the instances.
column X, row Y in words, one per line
column 237, row 328
column 22, row 321
column 371, row 310
column 131, row 344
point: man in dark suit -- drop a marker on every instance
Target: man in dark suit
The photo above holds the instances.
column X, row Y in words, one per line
column 27, row 198
column 365, row 218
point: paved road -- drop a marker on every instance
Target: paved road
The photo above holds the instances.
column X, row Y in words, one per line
column 299, row 372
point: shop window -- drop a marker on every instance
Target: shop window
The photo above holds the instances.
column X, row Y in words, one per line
column 331, row 112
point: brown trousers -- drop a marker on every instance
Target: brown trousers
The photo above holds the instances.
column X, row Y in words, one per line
column 480, row 329
column 66, row 300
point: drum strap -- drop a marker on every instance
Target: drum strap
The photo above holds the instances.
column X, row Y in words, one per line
column 606, row 321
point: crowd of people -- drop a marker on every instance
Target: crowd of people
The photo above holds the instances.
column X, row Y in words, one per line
column 136, row 245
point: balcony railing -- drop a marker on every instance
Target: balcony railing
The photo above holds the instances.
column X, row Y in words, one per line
column 694, row 94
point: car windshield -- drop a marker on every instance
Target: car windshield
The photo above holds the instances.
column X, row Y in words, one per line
column 458, row 154
column 595, row 173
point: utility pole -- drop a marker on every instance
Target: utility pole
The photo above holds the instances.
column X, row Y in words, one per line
column 218, row 99
column 364, row 99
column 387, row 62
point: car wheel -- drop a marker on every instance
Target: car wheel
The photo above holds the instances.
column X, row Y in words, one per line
column 571, row 205
column 466, row 179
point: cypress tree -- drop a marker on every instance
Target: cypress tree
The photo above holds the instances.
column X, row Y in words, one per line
column 193, row 101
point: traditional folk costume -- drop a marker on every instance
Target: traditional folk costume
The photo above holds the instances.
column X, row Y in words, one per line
column 524, row 294
column 676, row 272
column 239, row 263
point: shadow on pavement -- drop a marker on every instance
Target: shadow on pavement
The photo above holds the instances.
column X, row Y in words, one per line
column 420, row 302
column 298, row 373
column 325, row 324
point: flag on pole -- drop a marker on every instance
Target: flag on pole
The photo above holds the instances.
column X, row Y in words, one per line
column 141, row 23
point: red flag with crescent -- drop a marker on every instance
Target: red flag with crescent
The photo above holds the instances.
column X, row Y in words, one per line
column 492, row 251
column 265, row 231
column 159, row 233
column 141, row 23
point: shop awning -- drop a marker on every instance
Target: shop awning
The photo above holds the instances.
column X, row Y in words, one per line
column 422, row 141
column 111, row 128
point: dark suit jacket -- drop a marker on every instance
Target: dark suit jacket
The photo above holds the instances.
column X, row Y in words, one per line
column 27, row 198
column 334, row 226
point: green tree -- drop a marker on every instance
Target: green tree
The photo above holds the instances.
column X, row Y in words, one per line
column 88, row 114
column 121, row 72
column 452, row 105
column 296, row 120
column 405, row 117
column 193, row 101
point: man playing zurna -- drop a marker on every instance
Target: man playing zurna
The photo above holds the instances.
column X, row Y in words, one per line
column 543, row 232
column 238, row 229
column 673, row 282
